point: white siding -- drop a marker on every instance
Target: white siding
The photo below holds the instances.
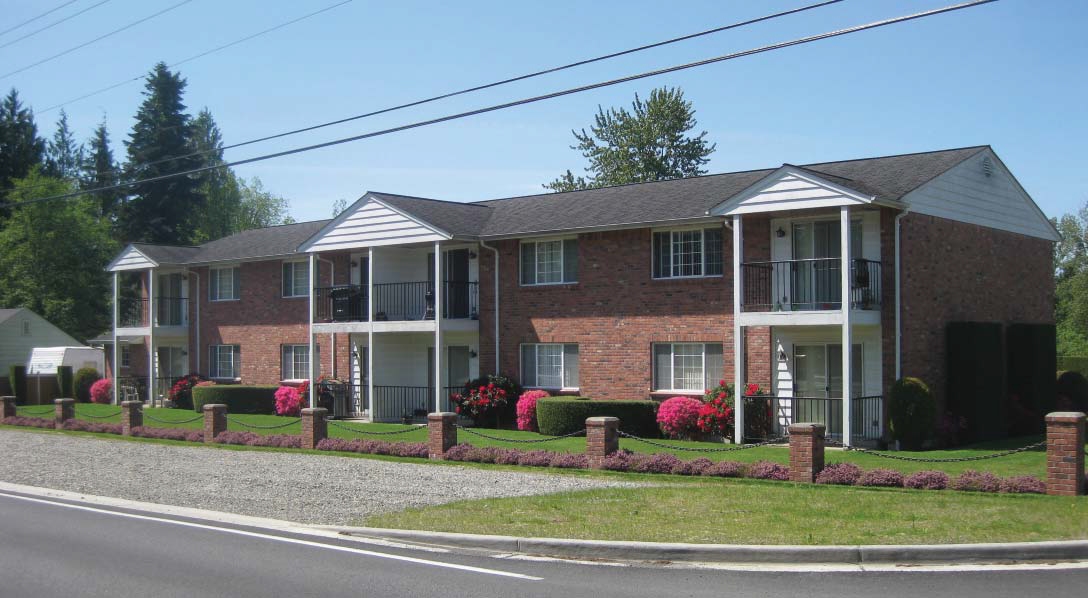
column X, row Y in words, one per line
column 131, row 259
column 788, row 191
column 785, row 338
column 15, row 348
column 372, row 224
column 401, row 264
column 400, row 359
column 782, row 249
column 965, row 194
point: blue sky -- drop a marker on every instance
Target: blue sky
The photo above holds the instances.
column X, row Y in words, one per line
column 1008, row 74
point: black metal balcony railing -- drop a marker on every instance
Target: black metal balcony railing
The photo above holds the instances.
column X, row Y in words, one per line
column 171, row 311
column 766, row 416
column 131, row 312
column 344, row 303
column 393, row 403
column 813, row 284
column 395, row 301
column 461, row 301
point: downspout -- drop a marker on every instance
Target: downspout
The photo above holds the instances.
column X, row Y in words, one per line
column 496, row 273
column 898, row 315
column 332, row 283
column 197, row 334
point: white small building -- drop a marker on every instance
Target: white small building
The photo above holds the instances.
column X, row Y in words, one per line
column 21, row 331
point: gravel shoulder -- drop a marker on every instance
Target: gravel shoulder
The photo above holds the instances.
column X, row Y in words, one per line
column 316, row 489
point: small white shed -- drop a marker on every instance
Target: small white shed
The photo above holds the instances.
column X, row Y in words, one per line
column 45, row 360
column 21, row 330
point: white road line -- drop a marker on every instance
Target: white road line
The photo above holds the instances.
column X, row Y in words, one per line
column 359, row 551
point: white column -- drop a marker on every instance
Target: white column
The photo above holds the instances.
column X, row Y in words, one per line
column 847, row 346
column 439, row 286
column 370, row 334
column 151, row 317
column 116, row 350
column 314, row 362
column 738, row 331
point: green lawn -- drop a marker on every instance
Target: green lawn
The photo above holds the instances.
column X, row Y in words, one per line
column 752, row 512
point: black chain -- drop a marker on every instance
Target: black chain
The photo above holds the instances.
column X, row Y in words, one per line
column 88, row 415
column 1014, row 451
column 167, row 421
column 257, row 427
column 49, row 410
column 726, row 449
column 410, row 428
column 520, row 440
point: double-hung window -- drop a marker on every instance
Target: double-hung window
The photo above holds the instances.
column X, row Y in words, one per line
column 225, row 361
column 549, row 262
column 296, row 279
column 296, row 362
column 549, row 365
column 126, row 356
column 224, row 284
column 687, row 253
column 692, row 367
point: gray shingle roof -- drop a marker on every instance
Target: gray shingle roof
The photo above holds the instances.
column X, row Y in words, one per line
column 259, row 242
column 167, row 254
column 458, row 219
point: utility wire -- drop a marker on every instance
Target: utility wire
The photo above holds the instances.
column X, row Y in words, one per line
column 196, row 56
column 531, row 100
column 473, row 89
column 97, row 39
column 53, row 24
column 32, row 19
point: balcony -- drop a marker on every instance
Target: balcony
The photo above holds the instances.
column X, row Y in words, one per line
column 391, row 403
column 131, row 312
column 172, row 311
column 396, row 302
column 809, row 285
column 767, row 416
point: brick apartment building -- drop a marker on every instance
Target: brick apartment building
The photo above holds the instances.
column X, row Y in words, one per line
column 620, row 292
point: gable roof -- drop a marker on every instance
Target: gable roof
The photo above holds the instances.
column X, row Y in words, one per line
column 7, row 313
column 273, row 241
column 457, row 219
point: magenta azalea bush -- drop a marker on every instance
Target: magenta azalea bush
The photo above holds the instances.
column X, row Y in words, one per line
column 926, row 480
column 678, row 417
column 102, row 391
column 843, row 474
column 288, row 401
column 526, row 409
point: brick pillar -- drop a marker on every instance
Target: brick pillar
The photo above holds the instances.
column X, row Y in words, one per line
column 132, row 416
column 63, row 410
column 1065, row 453
column 602, row 439
column 7, row 407
column 441, row 434
column 315, row 427
column 806, row 452
column 215, row 421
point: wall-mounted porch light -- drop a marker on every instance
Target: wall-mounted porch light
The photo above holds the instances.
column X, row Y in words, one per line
column 781, row 355
column 780, row 233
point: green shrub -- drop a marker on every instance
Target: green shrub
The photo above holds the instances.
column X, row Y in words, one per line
column 17, row 378
column 238, row 398
column 912, row 413
column 1072, row 391
column 1073, row 363
column 562, row 415
column 82, row 382
column 65, row 382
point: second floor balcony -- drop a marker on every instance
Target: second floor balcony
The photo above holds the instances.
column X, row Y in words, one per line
column 809, row 285
column 396, row 302
column 133, row 312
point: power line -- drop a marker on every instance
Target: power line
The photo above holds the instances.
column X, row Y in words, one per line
column 99, row 38
column 53, row 24
column 196, row 56
column 32, row 19
column 522, row 102
column 478, row 87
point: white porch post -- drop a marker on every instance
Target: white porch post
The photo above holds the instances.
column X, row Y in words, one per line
column 116, row 352
column 151, row 313
column 439, row 286
column 738, row 331
column 847, row 346
column 371, row 404
column 314, row 363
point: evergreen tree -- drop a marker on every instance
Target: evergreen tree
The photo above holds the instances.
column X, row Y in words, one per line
column 220, row 188
column 165, row 211
column 650, row 143
column 64, row 156
column 20, row 147
column 100, row 170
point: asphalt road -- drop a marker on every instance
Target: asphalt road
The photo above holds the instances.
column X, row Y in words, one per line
column 51, row 547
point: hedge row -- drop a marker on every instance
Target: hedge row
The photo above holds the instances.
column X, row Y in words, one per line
column 237, row 397
column 556, row 416
column 1073, row 363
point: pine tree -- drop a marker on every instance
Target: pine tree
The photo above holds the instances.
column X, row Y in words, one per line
column 222, row 195
column 160, row 143
column 64, row 156
column 20, row 147
column 100, row 170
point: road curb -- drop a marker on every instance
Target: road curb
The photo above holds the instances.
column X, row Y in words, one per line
column 928, row 554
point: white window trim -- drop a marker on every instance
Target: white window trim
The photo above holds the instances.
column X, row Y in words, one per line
column 296, row 345
column 295, row 263
column 562, row 366
column 562, row 262
column 215, row 360
column 858, row 219
column 238, row 272
column 702, row 230
column 672, row 368
column 126, row 356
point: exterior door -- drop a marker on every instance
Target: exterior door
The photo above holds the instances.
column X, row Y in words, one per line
column 170, row 297
column 456, row 298
column 818, row 383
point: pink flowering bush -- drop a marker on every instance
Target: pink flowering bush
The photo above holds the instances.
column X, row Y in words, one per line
column 102, row 391
column 1023, row 484
column 526, row 409
column 694, row 467
column 288, row 401
column 926, row 480
column 976, row 481
column 725, row 469
column 678, row 417
column 843, row 474
column 768, row 470
column 881, row 478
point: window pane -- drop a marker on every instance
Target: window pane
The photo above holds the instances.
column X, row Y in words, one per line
column 570, row 366
column 663, row 367
column 549, row 262
column 528, row 263
column 687, row 253
column 661, row 258
column 528, row 365
column 687, row 366
column 570, row 260
column 714, row 365
column 713, row 239
column 549, row 366
column 856, row 251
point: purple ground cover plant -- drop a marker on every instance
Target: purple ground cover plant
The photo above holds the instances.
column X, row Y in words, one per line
column 926, row 480
column 768, row 470
column 1023, row 484
column 79, row 425
column 884, row 478
column 726, row 469
column 251, row 439
column 693, row 467
column 976, row 481
column 169, row 434
column 843, row 474
column 656, row 463
column 27, row 422
column 374, row 447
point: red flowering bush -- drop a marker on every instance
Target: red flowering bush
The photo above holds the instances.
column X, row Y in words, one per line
column 288, row 401
column 477, row 401
column 678, row 417
column 716, row 414
column 181, row 394
column 102, row 391
column 526, row 409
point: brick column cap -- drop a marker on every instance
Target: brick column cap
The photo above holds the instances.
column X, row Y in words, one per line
column 315, row 411
column 601, row 421
column 211, row 407
column 63, row 401
column 441, row 416
column 5, row 398
column 1065, row 417
column 132, row 403
column 807, row 429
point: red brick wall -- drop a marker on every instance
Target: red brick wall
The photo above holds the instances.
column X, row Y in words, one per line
column 615, row 312
column 952, row 271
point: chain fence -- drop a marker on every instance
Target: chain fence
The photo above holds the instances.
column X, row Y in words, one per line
column 522, row 440
column 724, row 449
column 172, row 421
column 409, row 428
column 89, row 416
column 239, row 422
column 997, row 455
column 46, row 411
